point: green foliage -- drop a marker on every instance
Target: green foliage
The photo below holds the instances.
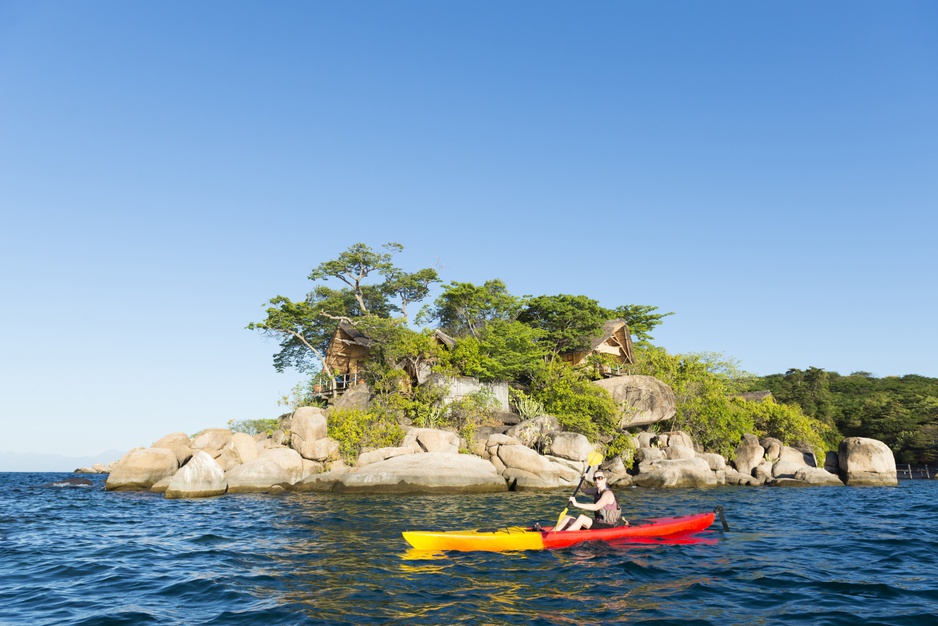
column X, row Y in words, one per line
column 568, row 323
column 354, row 265
column 467, row 413
column 305, row 328
column 357, row 431
column 526, row 406
column 641, row 320
column 788, row 423
column 902, row 411
column 463, row 309
column 409, row 288
column 621, row 445
column 254, row 427
column 508, row 351
column 703, row 385
column 580, row 406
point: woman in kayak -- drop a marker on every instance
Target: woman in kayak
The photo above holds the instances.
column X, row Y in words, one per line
column 607, row 511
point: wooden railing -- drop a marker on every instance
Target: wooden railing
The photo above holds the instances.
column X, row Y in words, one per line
column 908, row 472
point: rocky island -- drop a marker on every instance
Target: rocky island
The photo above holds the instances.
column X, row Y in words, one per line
column 531, row 454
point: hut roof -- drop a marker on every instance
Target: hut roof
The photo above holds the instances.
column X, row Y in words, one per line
column 354, row 335
column 756, row 396
column 609, row 329
column 445, row 339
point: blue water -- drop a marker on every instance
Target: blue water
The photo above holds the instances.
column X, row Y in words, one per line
column 817, row 555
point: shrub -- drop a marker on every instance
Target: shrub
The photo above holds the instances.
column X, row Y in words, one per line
column 254, row 427
column 580, row 406
column 357, row 431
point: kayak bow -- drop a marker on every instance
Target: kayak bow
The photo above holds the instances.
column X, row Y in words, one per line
column 521, row 538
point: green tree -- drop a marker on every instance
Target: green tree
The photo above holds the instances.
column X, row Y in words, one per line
column 409, row 287
column 463, row 309
column 569, row 396
column 640, row 318
column 568, row 323
column 509, row 351
column 304, row 329
column 354, row 265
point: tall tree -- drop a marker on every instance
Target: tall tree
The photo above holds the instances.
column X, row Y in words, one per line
column 463, row 309
column 569, row 322
column 354, row 265
column 305, row 328
column 641, row 319
column 409, row 287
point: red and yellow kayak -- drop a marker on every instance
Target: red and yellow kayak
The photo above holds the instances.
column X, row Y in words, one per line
column 521, row 538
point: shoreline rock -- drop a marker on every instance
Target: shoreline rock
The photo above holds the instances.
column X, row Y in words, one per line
column 533, row 455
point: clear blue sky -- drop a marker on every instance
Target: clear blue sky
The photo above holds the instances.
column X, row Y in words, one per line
column 767, row 171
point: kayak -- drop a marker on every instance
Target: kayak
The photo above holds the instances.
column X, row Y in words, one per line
column 528, row 538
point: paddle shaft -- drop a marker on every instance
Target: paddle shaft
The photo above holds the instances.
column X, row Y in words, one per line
column 576, row 491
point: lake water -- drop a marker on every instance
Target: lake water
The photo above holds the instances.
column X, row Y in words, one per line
column 817, row 555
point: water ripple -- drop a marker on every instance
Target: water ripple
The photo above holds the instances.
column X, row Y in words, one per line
column 793, row 556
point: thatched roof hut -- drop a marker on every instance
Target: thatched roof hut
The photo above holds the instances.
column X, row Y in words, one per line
column 615, row 341
column 348, row 350
column 757, row 396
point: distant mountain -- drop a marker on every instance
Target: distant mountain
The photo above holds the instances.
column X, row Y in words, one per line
column 36, row 462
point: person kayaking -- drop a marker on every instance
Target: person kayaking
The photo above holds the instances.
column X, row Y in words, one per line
column 607, row 512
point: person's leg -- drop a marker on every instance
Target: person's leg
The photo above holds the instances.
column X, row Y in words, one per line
column 582, row 522
column 566, row 521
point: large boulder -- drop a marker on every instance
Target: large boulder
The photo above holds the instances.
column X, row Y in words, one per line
column 287, row 458
column 865, row 461
column 818, row 476
column 773, row 448
column 256, row 475
column 179, row 443
column 677, row 438
column 431, row 472
column 431, row 440
column 243, row 448
column 531, row 432
column 550, row 474
column 373, row 456
column 749, row 455
column 212, row 441
column 141, row 469
column 790, row 460
column 643, row 400
column 357, row 398
column 201, row 477
column 324, row 482
column 308, row 426
column 693, row 472
column 716, row 461
column 572, row 446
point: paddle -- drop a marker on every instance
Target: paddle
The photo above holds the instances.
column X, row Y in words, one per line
column 594, row 459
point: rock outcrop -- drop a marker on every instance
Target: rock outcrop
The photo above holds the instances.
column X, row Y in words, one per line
column 258, row 475
column 141, row 468
column 201, row 477
column 643, row 400
column 428, row 472
column 866, row 462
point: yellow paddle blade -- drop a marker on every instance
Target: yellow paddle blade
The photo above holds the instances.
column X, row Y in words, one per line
column 560, row 519
column 594, row 458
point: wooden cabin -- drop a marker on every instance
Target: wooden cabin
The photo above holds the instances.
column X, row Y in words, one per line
column 349, row 349
column 347, row 353
column 615, row 341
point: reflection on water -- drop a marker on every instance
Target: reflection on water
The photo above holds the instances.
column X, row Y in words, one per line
column 74, row 556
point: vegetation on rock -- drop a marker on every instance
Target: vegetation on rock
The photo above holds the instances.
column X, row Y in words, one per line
column 501, row 337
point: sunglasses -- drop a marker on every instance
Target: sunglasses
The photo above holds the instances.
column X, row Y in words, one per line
column 599, row 478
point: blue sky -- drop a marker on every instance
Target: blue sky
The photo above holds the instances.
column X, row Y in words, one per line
column 767, row 171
